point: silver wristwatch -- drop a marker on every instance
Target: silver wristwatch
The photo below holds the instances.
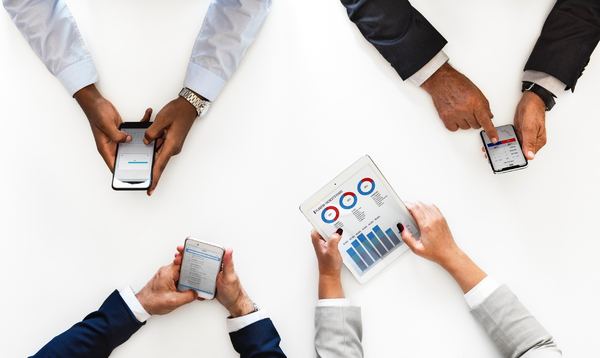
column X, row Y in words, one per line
column 198, row 102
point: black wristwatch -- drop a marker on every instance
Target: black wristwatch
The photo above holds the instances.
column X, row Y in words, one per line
column 543, row 93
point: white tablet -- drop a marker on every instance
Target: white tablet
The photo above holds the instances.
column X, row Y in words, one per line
column 364, row 205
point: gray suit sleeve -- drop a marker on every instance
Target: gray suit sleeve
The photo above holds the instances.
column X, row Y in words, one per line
column 513, row 329
column 338, row 332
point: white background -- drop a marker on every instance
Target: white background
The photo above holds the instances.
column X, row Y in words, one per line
column 311, row 97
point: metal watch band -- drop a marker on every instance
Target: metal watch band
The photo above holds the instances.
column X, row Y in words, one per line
column 198, row 102
column 546, row 96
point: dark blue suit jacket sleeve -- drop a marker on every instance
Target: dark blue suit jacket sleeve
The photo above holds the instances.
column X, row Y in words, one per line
column 258, row 340
column 569, row 36
column 98, row 334
column 399, row 32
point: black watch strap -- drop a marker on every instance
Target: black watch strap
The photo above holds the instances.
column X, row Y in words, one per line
column 543, row 93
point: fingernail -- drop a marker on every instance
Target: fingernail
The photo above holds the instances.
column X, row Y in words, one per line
column 128, row 139
column 339, row 231
column 400, row 227
column 530, row 154
column 494, row 140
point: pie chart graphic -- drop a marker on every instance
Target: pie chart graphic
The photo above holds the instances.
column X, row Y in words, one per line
column 366, row 186
column 348, row 200
column 330, row 214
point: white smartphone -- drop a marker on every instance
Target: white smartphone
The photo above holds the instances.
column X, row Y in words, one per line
column 200, row 265
column 506, row 154
column 134, row 160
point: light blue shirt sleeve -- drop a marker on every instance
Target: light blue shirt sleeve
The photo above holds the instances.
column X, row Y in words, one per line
column 229, row 28
column 53, row 35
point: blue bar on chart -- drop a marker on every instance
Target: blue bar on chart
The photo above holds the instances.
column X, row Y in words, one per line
column 393, row 236
column 356, row 259
column 363, row 240
column 363, row 254
column 388, row 244
column 382, row 250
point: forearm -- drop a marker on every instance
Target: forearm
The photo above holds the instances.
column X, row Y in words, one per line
column 514, row 330
column 399, row 32
column 330, row 287
column 464, row 271
column 568, row 38
column 98, row 334
column 50, row 30
column 229, row 28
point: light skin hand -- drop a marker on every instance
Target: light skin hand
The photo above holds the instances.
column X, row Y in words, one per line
column 160, row 295
column 437, row 244
column 230, row 292
column 104, row 121
column 459, row 103
column 169, row 129
column 530, row 123
column 330, row 264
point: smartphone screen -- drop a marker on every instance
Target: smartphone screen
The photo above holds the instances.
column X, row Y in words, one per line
column 506, row 154
column 199, row 268
column 133, row 164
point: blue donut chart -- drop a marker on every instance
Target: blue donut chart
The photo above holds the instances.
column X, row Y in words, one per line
column 344, row 196
column 329, row 209
column 358, row 187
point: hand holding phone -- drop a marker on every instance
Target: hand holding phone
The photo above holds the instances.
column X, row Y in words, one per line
column 134, row 160
column 200, row 265
column 229, row 290
column 505, row 155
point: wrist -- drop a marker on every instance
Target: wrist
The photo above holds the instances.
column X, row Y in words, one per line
column 242, row 306
column 188, row 110
column 144, row 301
column 87, row 96
column 534, row 99
column 437, row 77
column 330, row 286
column 453, row 260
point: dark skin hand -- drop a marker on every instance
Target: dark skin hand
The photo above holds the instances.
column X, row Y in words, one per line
column 169, row 129
column 530, row 123
column 459, row 103
column 104, row 121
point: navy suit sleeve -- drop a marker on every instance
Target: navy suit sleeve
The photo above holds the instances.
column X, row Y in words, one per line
column 399, row 32
column 98, row 334
column 569, row 36
column 258, row 340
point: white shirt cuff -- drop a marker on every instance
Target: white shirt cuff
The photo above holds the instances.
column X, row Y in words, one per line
column 481, row 292
column 545, row 80
column 78, row 75
column 134, row 305
column 237, row 323
column 429, row 69
column 333, row 302
column 203, row 82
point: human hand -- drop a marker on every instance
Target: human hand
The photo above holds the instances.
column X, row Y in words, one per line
column 530, row 123
column 160, row 295
column 104, row 121
column 169, row 129
column 459, row 103
column 436, row 243
column 230, row 292
column 330, row 264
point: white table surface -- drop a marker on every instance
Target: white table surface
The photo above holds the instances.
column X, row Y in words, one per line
column 311, row 97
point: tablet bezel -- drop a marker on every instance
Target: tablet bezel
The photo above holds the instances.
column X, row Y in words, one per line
column 330, row 187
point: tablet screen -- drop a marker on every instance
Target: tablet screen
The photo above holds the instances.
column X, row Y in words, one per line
column 368, row 213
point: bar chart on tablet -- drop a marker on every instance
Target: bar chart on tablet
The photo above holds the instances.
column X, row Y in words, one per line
column 369, row 247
